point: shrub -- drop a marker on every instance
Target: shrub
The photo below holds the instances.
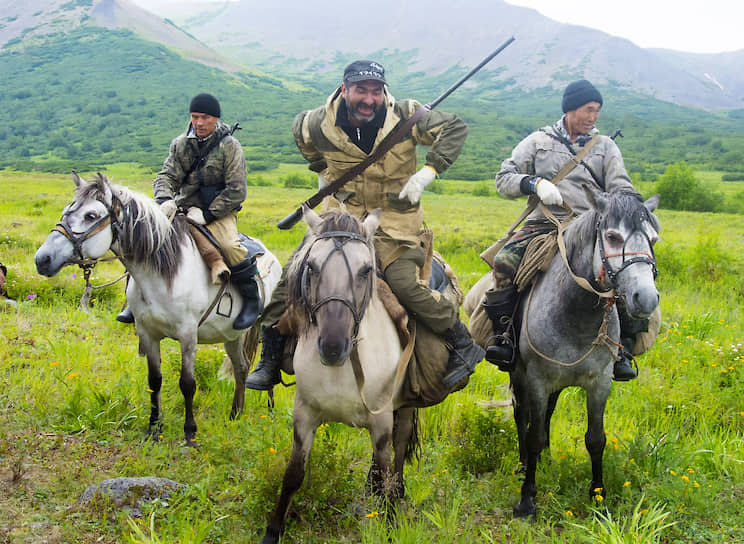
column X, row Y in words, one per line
column 680, row 190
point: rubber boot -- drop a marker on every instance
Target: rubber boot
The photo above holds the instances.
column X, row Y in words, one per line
column 623, row 370
column 125, row 316
column 464, row 354
column 243, row 277
column 266, row 374
column 499, row 307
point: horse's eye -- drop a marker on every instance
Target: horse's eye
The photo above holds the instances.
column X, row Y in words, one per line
column 91, row 216
column 614, row 238
column 365, row 272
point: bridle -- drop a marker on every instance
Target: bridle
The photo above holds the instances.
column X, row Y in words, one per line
column 647, row 257
column 78, row 238
column 357, row 309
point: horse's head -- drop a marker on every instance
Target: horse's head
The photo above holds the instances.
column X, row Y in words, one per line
column 334, row 276
column 84, row 230
column 626, row 231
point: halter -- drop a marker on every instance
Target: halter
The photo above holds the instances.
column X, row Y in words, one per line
column 639, row 256
column 340, row 239
column 78, row 238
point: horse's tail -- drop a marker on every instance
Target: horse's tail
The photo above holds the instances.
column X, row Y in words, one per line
column 250, row 346
column 413, row 445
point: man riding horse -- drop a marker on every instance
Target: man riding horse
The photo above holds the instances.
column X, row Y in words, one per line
column 534, row 162
column 204, row 176
column 342, row 133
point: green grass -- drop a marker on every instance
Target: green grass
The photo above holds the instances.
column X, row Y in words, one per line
column 74, row 408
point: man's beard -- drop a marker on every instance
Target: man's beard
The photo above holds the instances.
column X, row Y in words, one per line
column 354, row 112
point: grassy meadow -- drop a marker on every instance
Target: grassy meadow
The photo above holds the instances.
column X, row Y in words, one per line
column 74, row 408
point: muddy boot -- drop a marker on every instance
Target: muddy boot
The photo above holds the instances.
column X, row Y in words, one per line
column 267, row 375
column 125, row 316
column 243, row 277
column 623, row 370
column 464, row 354
column 499, row 307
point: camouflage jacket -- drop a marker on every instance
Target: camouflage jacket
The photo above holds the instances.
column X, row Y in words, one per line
column 329, row 149
column 218, row 187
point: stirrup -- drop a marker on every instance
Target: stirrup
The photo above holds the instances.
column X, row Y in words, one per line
column 502, row 353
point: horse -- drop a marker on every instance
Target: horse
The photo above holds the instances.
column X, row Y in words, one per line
column 347, row 356
column 569, row 326
column 171, row 295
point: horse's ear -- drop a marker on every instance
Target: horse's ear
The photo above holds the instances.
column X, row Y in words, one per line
column 652, row 203
column 371, row 223
column 76, row 179
column 312, row 219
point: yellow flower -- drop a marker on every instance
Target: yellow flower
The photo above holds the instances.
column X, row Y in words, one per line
column 644, row 511
column 685, row 478
column 55, row 363
column 626, row 484
column 373, row 514
column 569, row 514
column 272, row 450
column 695, row 484
column 149, row 390
column 672, row 473
column 690, row 471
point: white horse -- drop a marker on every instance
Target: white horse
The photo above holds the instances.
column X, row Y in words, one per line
column 347, row 355
column 171, row 295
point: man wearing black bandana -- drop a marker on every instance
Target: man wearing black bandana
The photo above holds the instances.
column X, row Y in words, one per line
column 338, row 135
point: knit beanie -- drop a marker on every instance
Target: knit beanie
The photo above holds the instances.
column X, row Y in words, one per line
column 205, row 103
column 579, row 93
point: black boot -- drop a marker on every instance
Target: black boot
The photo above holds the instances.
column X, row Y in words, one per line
column 464, row 354
column 125, row 316
column 500, row 310
column 243, row 276
column 623, row 370
column 267, row 375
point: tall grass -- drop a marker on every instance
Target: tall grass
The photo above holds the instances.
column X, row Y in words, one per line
column 74, row 407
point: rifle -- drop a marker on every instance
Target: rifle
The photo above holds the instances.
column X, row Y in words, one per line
column 384, row 146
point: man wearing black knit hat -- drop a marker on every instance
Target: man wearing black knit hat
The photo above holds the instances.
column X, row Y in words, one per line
column 204, row 177
column 534, row 162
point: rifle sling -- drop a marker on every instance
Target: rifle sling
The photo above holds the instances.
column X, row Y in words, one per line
column 534, row 200
column 385, row 145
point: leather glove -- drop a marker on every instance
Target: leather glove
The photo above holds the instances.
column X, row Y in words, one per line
column 169, row 208
column 322, row 182
column 548, row 193
column 196, row 215
column 414, row 187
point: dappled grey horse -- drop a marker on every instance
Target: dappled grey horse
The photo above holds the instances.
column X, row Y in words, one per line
column 347, row 355
column 570, row 329
column 171, row 295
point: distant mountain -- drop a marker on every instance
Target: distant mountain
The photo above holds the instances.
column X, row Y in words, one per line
column 297, row 35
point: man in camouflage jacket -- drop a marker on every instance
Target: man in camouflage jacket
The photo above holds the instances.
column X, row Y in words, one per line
column 339, row 135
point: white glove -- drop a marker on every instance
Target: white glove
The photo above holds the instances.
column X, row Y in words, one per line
column 196, row 215
column 169, row 208
column 414, row 187
column 548, row 193
column 322, row 182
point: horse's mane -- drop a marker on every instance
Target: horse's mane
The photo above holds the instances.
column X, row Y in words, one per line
column 332, row 221
column 146, row 236
column 619, row 206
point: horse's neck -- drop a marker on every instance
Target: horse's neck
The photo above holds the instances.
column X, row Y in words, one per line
column 558, row 289
column 192, row 272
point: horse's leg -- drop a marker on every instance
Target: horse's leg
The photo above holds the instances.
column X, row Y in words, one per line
column 595, row 439
column 150, row 348
column 380, row 477
column 305, row 425
column 188, row 387
column 535, row 442
column 552, row 401
column 240, row 370
column 405, row 442
column 521, row 420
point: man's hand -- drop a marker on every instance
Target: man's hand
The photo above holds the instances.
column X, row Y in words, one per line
column 548, row 193
column 322, row 182
column 414, row 187
column 169, row 208
column 196, row 215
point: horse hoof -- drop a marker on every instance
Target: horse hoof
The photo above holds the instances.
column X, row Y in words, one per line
column 524, row 511
column 191, row 443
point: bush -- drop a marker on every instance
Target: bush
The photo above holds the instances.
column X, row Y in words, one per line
column 680, row 190
column 295, row 181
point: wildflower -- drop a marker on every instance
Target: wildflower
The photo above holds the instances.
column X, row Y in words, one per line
column 55, row 363
column 626, row 484
column 272, row 450
column 690, row 471
column 685, row 478
column 72, row 376
column 695, row 484
column 672, row 473
column 373, row 514
column 644, row 511
column 569, row 514
column 32, row 296
column 149, row 390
